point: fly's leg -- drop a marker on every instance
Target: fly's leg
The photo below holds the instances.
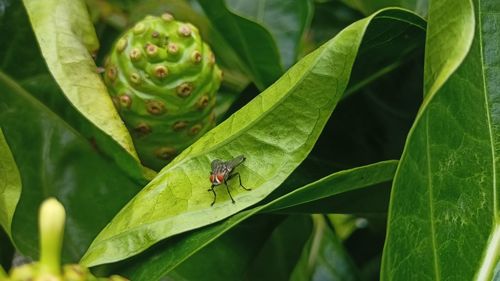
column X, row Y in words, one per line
column 215, row 195
column 239, row 177
column 227, row 188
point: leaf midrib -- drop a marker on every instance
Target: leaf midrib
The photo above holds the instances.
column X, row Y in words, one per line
column 485, row 266
column 431, row 199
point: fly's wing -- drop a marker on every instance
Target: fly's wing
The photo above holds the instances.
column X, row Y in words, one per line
column 216, row 164
column 235, row 162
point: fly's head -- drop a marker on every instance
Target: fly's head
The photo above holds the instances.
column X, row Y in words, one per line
column 216, row 179
column 219, row 172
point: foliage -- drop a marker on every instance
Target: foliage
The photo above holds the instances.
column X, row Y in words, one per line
column 335, row 106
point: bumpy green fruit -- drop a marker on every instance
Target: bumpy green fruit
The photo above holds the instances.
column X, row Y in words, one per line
column 163, row 79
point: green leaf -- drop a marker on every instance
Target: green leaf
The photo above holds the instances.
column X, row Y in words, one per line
column 67, row 39
column 444, row 213
column 324, row 257
column 252, row 42
column 275, row 131
column 161, row 259
column 55, row 160
column 309, row 198
column 286, row 21
column 286, row 110
column 10, row 186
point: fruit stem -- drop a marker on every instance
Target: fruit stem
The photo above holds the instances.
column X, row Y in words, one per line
column 51, row 222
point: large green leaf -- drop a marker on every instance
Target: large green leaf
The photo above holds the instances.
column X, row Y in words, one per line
column 10, row 185
column 444, row 213
column 54, row 160
column 252, row 42
column 275, row 131
column 285, row 20
column 309, row 198
column 67, row 40
column 159, row 260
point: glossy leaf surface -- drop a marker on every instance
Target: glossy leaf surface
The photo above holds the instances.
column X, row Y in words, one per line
column 275, row 131
column 285, row 20
column 263, row 61
column 10, row 185
column 444, row 213
column 357, row 178
column 54, row 160
column 67, row 40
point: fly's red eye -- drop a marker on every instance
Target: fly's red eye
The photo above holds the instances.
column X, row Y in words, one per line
column 212, row 178
column 220, row 178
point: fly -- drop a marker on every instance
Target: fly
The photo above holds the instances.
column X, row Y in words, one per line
column 222, row 171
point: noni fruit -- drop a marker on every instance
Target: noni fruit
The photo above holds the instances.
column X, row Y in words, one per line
column 163, row 79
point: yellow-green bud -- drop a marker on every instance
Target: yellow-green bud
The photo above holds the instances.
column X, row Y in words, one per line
column 51, row 222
